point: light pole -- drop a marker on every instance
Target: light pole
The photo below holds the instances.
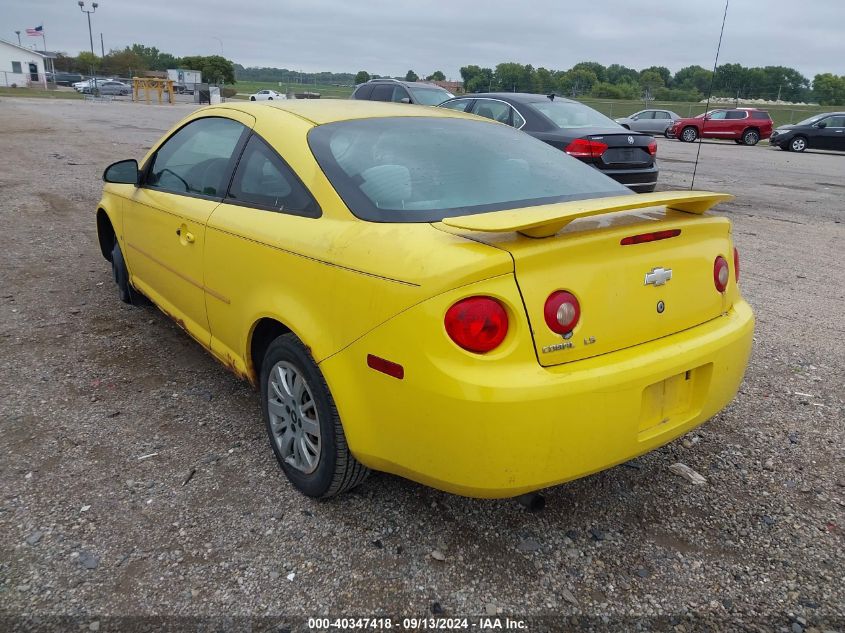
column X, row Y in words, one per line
column 18, row 33
column 88, row 13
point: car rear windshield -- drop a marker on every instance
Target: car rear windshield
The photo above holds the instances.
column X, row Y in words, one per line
column 424, row 169
column 569, row 115
column 430, row 96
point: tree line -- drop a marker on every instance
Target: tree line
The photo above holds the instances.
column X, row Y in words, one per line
column 691, row 83
column 137, row 58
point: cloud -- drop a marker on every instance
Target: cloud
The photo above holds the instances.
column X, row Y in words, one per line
column 392, row 36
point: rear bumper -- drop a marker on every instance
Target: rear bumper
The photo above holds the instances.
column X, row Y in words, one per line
column 636, row 179
column 500, row 431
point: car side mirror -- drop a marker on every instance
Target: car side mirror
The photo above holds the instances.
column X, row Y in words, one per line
column 124, row 172
column 821, row 124
column 405, row 100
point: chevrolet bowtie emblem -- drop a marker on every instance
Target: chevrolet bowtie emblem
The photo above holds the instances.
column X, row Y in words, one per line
column 658, row 276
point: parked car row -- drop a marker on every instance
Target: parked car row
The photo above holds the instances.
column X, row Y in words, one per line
column 580, row 131
column 103, row 85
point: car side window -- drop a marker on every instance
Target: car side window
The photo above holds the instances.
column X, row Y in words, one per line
column 718, row 115
column 196, row 159
column 458, row 104
column 363, row 91
column 760, row 115
column 661, row 114
column 517, row 120
column 496, row 110
column 382, row 92
column 262, row 179
column 648, row 114
column 399, row 93
column 736, row 114
column 835, row 121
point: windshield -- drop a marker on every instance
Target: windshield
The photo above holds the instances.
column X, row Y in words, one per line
column 424, row 169
column 812, row 119
column 569, row 115
column 430, row 96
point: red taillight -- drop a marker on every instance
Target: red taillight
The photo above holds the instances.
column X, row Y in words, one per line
column 385, row 366
column 562, row 311
column 585, row 148
column 721, row 274
column 654, row 236
column 478, row 324
column 736, row 264
column 652, row 148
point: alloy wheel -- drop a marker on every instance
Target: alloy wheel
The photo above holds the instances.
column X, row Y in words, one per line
column 294, row 422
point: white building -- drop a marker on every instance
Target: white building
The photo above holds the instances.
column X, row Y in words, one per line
column 21, row 66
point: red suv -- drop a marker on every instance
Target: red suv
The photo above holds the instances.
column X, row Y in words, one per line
column 744, row 125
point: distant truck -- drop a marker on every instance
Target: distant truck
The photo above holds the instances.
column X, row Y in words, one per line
column 184, row 81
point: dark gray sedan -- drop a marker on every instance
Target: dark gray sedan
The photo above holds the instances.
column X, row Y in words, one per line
column 651, row 121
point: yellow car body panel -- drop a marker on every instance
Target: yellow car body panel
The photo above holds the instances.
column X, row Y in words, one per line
column 491, row 425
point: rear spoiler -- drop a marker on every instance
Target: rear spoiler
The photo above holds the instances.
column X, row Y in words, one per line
column 546, row 220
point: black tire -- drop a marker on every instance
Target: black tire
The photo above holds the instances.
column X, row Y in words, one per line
column 252, row 98
column 121, row 277
column 269, row 98
column 689, row 134
column 337, row 469
column 750, row 137
column 666, row 133
column 798, row 144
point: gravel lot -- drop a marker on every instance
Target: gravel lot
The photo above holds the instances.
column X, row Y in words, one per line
column 108, row 410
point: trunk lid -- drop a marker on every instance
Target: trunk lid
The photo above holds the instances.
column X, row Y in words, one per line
column 617, row 286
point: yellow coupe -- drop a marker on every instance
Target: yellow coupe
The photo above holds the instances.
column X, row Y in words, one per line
column 431, row 294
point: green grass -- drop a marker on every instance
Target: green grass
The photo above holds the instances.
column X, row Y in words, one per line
column 781, row 114
column 326, row 91
column 39, row 93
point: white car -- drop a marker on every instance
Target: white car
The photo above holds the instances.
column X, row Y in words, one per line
column 81, row 86
column 267, row 95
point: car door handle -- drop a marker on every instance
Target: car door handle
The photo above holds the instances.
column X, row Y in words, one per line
column 185, row 236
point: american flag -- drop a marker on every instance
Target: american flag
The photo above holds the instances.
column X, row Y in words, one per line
column 38, row 31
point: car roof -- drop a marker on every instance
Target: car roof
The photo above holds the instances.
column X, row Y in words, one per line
column 320, row 112
column 515, row 97
column 402, row 82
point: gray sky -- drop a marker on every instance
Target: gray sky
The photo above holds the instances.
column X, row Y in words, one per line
column 391, row 36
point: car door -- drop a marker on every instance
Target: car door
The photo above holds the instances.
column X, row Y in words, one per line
column 662, row 119
column 252, row 245
column 715, row 125
column 832, row 135
column 644, row 121
column 164, row 220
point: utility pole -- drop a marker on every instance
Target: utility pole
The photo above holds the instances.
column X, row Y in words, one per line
column 102, row 47
column 88, row 13
column 94, row 6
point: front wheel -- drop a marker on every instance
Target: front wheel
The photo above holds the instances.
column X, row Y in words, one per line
column 689, row 134
column 751, row 137
column 121, row 277
column 269, row 98
column 303, row 423
column 252, row 98
column 798, row 144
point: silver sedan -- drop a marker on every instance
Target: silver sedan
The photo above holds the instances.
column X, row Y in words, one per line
column 651, row 121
